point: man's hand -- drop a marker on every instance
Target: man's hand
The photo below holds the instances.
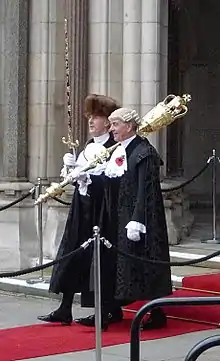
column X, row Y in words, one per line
column 82, row 177
column 133, row 235
column 134, row 229
column 69, row 160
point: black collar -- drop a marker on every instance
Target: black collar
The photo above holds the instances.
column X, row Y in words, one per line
column 132, row 145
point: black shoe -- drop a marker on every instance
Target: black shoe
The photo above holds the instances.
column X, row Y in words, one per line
column 156, row 320
column 115, row 316
column 56, row 318
column 111, row 317
column 90, row 322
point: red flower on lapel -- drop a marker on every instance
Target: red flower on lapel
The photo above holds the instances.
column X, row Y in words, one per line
column 119, row 161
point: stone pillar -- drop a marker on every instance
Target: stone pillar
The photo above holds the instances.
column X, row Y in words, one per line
column 132, row 54
column 154, row 60
column 97, row 51
column 163, row 76
column 2, row 12
column 77, row 12
column 47, row 123
column 18, row 235
column 106, row 47
column 115, row 49
column 13, row 89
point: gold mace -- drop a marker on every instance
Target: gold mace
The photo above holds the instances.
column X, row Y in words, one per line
column 163, row 114
column 57, row 188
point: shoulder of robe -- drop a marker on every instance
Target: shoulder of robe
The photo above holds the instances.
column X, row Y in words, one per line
column 146, row 150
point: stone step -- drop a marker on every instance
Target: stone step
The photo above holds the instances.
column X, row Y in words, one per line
column 178, row 273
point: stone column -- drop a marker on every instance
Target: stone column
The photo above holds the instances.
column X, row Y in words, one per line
column 115, row 49
column 132, row 54
column 77, row 12
column 13, row 90
column 154, row 59
column 2, row 12
column 106, row 47
column 163, row 76
column 47, row 121
column 17, row 223
column 98, row 47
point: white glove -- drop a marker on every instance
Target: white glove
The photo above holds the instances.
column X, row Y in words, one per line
column 133, row 235
column 69, row 159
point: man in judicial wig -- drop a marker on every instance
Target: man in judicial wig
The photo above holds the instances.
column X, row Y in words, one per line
column 136, row 223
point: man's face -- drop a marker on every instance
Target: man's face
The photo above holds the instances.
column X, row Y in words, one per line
column 120, row 130
column 98, row 125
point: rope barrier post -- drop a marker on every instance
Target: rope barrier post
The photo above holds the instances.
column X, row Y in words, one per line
column 40, row 229
column 97, row 289
column 39, row 232
column 214, row 159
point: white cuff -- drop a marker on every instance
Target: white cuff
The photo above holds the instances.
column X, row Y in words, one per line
column 65, row 171
column 136, row 226
column 83, row 185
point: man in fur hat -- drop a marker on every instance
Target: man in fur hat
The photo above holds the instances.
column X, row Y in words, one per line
column 73, row 275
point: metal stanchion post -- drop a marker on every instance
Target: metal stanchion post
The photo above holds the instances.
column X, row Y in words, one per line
column 97, row 289
column 40, row 229
column 39, row 232
column 214, row 159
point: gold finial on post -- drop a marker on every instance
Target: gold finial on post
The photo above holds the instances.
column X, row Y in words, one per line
column 70, row 143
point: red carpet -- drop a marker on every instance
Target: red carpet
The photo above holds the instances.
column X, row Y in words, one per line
column 209, row 283
column 42, row 340
column 47, row 339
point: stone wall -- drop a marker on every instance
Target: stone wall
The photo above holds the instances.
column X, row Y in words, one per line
column 200, row 74
column 13, row 89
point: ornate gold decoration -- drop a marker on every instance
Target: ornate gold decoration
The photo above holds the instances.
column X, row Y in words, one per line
column 69, row 141
column 57, row 188
column 163, row 114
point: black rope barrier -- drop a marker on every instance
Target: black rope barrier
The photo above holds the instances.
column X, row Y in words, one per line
column 115, row 249
column 47, row 265
column 61, row 201
column 172, row 264
column 202, row 346
column 24, row 196
column 184, row 184
column 161, row 302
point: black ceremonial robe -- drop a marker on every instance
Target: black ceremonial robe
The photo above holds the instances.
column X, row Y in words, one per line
column 74, row 274
column 139, row 199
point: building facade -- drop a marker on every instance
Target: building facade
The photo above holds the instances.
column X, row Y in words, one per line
column 136, row 51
